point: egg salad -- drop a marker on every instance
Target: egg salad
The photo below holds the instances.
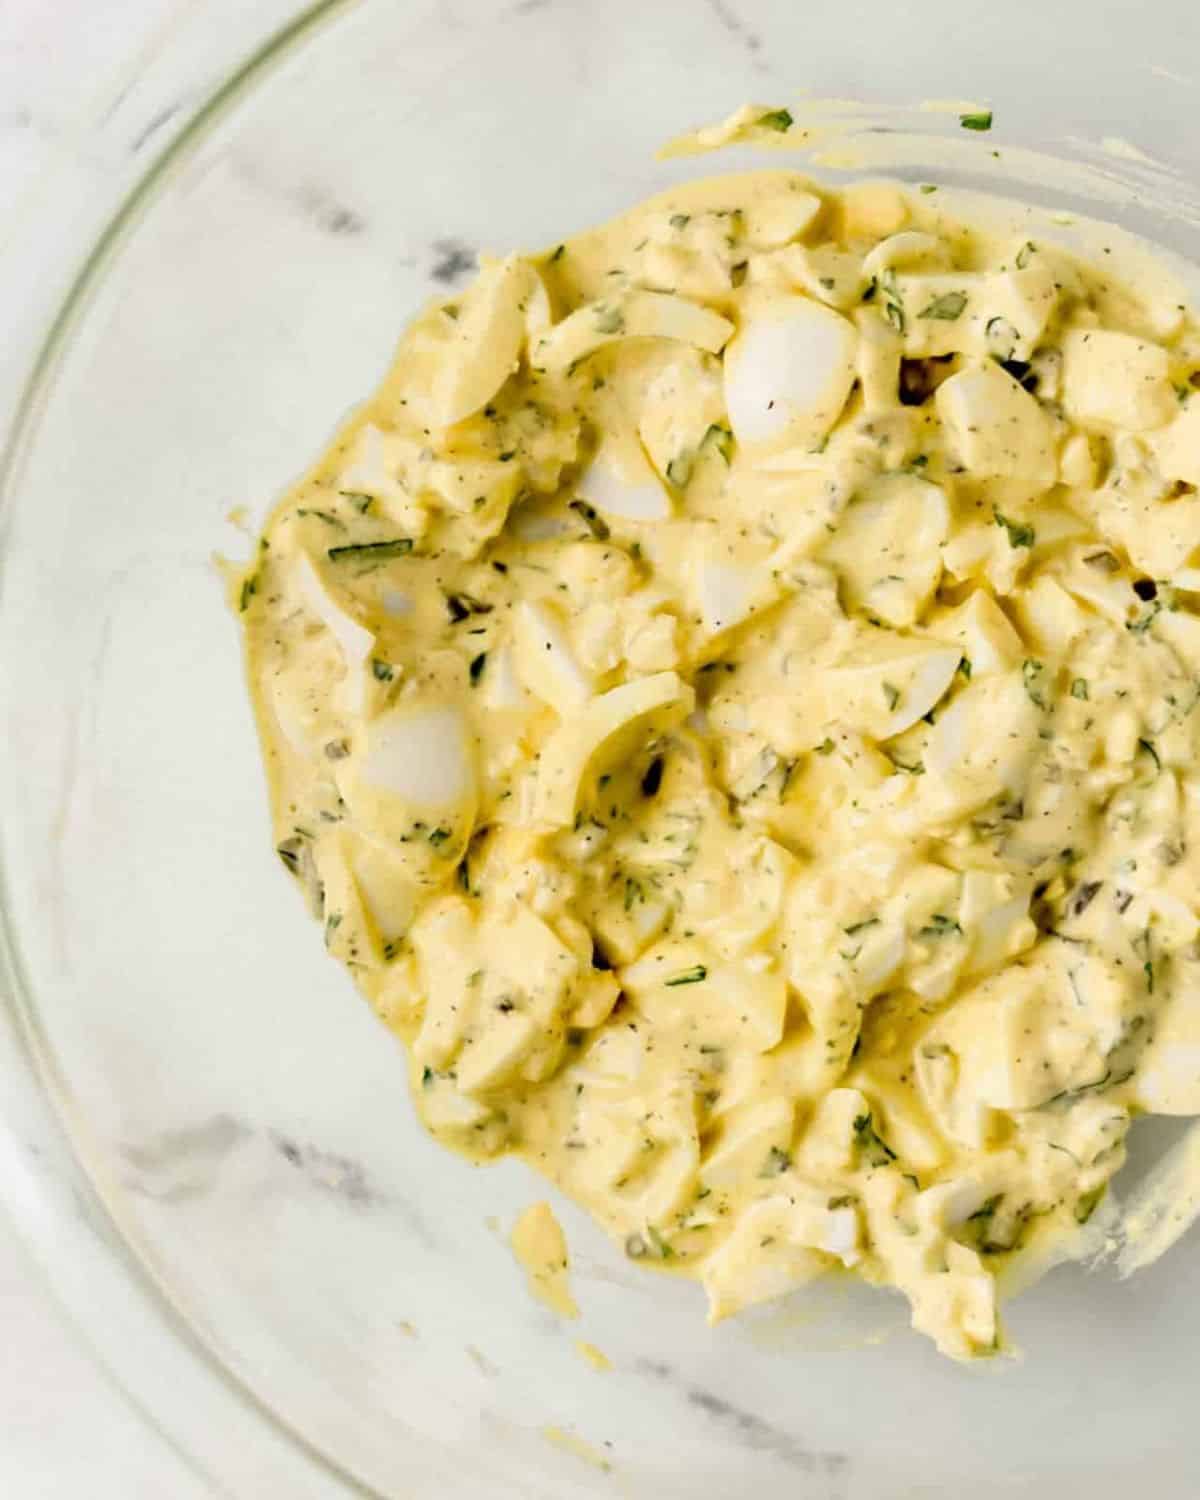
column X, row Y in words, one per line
column 730, row 698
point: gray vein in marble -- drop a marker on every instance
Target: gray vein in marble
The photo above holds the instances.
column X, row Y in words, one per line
column 329, row 213
column 455, row 260
column 184, row 1163
column 751, row 1429
column 153, row 125
column 730, row 22
column 326, row 1170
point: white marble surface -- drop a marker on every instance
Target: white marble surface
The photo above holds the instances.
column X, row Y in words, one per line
column 89, row 91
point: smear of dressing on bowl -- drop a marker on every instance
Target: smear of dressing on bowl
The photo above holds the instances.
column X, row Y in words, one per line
column 541, row 1250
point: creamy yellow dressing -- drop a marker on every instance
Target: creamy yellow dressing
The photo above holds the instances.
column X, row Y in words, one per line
column 541, row 1251
column 729, row 697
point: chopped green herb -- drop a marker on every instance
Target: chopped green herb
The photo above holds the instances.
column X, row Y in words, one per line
column 946, row 308
column 964, row 667
column 1020, row 533
column 1148, row 747
column 979, row 120
column 248, row 590
column 891, row 694
column 870, row 1143
column 776, row 1163
column 438, row 836
column 476, row 668
column 426, row 1077
column 695, row 975
column 1024, row 254
column 929, row 187
column 1079, row 688
column 940, row 926
column 399, row 546
column 558, row 254
column 381, row 670
column 680, row 221
column 776, row 119
column 1031, row 676
column 826, row 747
column 634, row 891
column 861, row 926
column 1087, row 1203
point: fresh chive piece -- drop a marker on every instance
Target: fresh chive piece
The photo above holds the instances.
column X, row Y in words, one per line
column 940, row 926
column 776, row 119
column 476, row 668
column 382, row 671
column 977, row 120
column 695, row 975
column 1079, row 689
column 399, row 546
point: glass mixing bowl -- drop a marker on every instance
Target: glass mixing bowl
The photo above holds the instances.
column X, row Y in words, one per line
column 299, row 1288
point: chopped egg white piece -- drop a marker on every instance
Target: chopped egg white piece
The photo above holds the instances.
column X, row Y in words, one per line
column 788, row 372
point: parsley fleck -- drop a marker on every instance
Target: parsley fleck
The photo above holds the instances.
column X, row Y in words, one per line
column 946, row 308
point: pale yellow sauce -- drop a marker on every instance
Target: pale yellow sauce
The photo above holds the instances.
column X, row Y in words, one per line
column 541, row 1250
column 730, row 696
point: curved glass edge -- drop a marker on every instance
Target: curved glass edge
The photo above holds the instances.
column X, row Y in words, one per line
column 64, row 1211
